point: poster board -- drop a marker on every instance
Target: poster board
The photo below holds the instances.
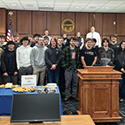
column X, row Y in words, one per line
column 28, row 80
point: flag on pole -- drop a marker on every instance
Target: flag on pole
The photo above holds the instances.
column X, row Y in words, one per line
column 10, row 31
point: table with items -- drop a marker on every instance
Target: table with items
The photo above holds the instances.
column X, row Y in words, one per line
column 7, row 93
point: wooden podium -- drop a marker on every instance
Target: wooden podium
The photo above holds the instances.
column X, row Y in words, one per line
column 99, row 93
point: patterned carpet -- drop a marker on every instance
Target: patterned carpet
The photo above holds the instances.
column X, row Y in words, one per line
column 71, row 106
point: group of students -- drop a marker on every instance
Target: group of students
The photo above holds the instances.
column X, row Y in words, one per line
column 57, row 60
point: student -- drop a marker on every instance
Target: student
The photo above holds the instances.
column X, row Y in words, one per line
column 113, row 43
column 76, row 42
column 30, row 37
column 65, row 40
column 46, row 33
column 53, row 60
column 92, row 34
column 106, row 54
column 37, row 58
column 3, row 44
column 71, row 62
column 8, row 64
column 88, row 54
column 35, row 38
column 94, row 45
column 1, row 52
column 23, row 58
column 16, row 40
column 60, row 45
column 120, row 66
column 46, row 41
column 81, row 40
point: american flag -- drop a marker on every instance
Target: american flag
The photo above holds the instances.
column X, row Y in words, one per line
column 10, row 32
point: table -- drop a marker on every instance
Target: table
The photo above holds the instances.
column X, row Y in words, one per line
column 6, row 99
column 65, row 120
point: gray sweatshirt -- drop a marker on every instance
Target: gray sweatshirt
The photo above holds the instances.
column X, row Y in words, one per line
column 37, row 57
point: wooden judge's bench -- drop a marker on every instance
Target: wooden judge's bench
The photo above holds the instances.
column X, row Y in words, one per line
column 99, row 93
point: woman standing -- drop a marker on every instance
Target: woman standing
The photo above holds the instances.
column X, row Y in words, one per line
column 120, row 66
column 53, row 60
column 81, row 40
column 65, row 40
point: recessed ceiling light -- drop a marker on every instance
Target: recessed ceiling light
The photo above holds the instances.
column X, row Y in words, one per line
column 92, row 7
column 13, row 4
column 107, row 8
column 45, row 6
column 76, row 7
column 29, row 5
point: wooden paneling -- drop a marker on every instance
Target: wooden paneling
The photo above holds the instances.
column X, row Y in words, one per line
column 55, row 36
column 108, row 25
column 119, row 39
column 2, row 21
column 106, row 37
column 96, row 20
column 21, row 36
column 101, row 105
column 121, row 24
column 14, row 22
column 3, row 34
column 24, row 22
column 71, row 16
column 81, row 23
column 38, row 22
column 115, row 90
column 53, row 22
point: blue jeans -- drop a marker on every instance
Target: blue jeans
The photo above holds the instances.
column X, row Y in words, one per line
column 0, row 74
column 53, row 75
column 122, row 87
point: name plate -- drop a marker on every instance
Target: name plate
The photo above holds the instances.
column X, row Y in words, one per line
column 28, row 80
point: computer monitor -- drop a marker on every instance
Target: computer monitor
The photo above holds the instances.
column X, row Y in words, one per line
column 35, row 108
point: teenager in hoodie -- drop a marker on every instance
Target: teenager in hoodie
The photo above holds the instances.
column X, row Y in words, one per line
column 23, row 58
column 37, row 58
column 8, row 64
column 120, row 66
column 53, row 60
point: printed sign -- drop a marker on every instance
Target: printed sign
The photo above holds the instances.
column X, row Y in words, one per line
column 28, row 80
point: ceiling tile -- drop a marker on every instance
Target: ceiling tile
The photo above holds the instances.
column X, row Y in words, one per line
column 61, row 8
column 45, row 4
column 28, row 1
column 63, row 1
column 67, row 5
column 46, row 1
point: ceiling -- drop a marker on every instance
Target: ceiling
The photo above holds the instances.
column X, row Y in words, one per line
column 108, row 6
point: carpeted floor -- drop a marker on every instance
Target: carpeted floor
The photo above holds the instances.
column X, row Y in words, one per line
column 71, row 106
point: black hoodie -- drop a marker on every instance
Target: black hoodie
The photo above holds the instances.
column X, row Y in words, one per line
column 53, row 56
column 120, row 60
column 8, row 62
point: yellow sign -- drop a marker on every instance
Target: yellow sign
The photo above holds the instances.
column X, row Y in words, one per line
column 68, row 25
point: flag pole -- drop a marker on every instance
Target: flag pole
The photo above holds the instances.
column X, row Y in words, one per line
column 10, row 32
column 94, row 20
